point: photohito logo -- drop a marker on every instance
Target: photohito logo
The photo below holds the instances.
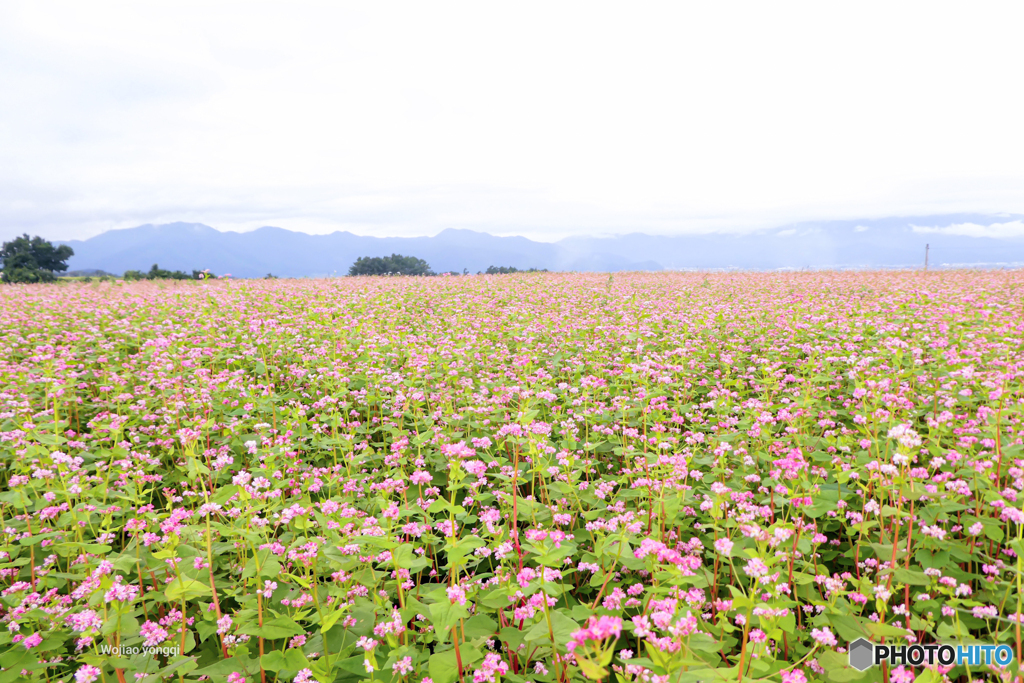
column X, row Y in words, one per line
column 864, row 654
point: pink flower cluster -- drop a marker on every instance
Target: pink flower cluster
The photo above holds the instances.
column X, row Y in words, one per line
column 597, row 629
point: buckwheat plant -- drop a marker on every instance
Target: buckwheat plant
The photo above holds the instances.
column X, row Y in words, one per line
column 652, row 478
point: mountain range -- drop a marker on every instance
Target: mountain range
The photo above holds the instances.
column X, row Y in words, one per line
column 875, row 243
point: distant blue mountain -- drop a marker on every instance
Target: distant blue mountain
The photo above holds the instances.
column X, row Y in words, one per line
column 887, row 242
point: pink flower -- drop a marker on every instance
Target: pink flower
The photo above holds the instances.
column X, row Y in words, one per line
column 756, row 568
column 598, row 628
column 902, row 674
column 89, row 673
column 122, row 592
column 795, row 676
column 152, row 634
column 985, row 612
column 723, row 546
column 32, row 641
column 447, row 528
column 492, row 665
column 421, row 477
column 457, row 594
column 403, row 667
column 824, row 636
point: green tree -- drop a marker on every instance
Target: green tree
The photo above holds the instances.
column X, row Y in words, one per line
column 158, row 273
column 33, row 259
column 505, row 270
column 396, row 264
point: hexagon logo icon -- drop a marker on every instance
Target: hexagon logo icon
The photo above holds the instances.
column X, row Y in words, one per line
column 862, row 654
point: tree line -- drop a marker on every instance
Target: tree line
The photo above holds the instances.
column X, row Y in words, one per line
column 158, row 273
column 397, row 264
column 32, row 259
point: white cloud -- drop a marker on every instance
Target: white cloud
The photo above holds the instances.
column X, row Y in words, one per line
column 533, row 118
column 861, row 228
column 999, row 230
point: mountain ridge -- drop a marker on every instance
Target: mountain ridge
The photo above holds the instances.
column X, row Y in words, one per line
column 882, row 242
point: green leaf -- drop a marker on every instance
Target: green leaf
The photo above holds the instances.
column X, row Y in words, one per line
column 848, row 627
column 222, row 667
column 17, row 658
column 513, row 637
column 886, row 630
column 561, row 626
column 480, row 626
column 275, row 629
column 591, row 670
column 182, row 588
column 443, row 667
column 353, row 665
column 403, row 556
column 331, row 619
column 445, row 615
column 182, row 666
column 993, row 530
column 581, row 612
column 294, row 660
column 819, row 507
column 911, row 577
column 273, row 661
column 838, row 667
column 32, row 540
column 289, row 660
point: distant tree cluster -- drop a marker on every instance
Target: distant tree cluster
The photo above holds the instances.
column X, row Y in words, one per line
column 33, row 259
column 505, row 270
column 396, row 264
column 158, row 273
column 88, row 272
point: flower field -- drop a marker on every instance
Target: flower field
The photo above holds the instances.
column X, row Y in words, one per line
column 661, row 478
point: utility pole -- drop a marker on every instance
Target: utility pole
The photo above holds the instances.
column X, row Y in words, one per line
column 926, row 257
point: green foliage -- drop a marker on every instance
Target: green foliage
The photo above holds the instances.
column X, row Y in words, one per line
column 506, row 270
column 33, row 259
column 88, row 272
column 158, row 273
column 396, row 264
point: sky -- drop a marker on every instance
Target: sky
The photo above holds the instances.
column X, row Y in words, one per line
column 539, row 119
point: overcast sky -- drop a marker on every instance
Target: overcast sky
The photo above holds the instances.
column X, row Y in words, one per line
column 542, row 119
